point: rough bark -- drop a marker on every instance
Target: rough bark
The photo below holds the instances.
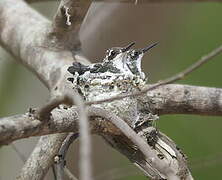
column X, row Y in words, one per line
column 33, row 41
column 24, row 33
column 183, row 99
column 42, row 156
column 167, row 99
column 67, row 23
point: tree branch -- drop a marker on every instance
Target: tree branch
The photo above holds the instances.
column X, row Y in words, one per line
column 183, row 99
column 44, row 147
column 25, row 125
column 85, row 138
column 161, row 160
column 44, row 114
column 50, row 66
column 18, row 22
column 24, row 33
column 60, row 161
column 67, row 23
column 42, row 156
column 173, row 99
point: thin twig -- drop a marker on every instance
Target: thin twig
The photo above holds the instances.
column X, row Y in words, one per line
column 172, row 79
column 44, row 112
column 68, row 141
column 69, row 174
column 85, row 139
column 62, row 154
column 19, row 153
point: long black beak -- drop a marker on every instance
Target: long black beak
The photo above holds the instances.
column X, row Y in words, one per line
column 144, row 50
column 128, row 47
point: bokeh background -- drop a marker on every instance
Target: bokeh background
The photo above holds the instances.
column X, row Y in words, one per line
column 185, row 32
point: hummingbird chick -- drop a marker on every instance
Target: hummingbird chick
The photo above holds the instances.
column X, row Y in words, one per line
column 119, row 73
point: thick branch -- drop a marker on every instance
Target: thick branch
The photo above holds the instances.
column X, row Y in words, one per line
column 183, row 99
column 42, row 156
column 168, row 99
column 67, row 23
column 50, row 67
column 22, row 126
column 24, row 33
column 44, row 114
column 41, row 167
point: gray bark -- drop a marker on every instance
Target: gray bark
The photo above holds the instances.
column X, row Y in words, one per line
column 33, row 40
column 167, row 99
column 184, row 99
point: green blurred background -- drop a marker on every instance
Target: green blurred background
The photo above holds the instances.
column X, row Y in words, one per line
column 185, row 32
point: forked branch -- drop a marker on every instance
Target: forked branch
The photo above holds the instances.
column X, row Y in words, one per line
column 50, row 67
column 206, row 101
column 44, row 114
column 67, row 23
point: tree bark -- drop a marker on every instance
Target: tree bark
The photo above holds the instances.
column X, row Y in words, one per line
column 167, row 99
column 32, row 39
column 183, row 99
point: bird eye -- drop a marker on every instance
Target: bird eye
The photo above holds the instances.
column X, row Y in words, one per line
column 112, row 54
column 134, row 55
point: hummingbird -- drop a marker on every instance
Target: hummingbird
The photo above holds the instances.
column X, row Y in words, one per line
column 112, row 59
column 134, row 58
column 120, row 72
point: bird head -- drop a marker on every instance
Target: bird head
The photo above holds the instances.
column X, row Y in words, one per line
column 134, row 57
column 117, row 52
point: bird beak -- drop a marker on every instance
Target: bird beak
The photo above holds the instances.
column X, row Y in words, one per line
column 144, row 50
column 128, row 47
